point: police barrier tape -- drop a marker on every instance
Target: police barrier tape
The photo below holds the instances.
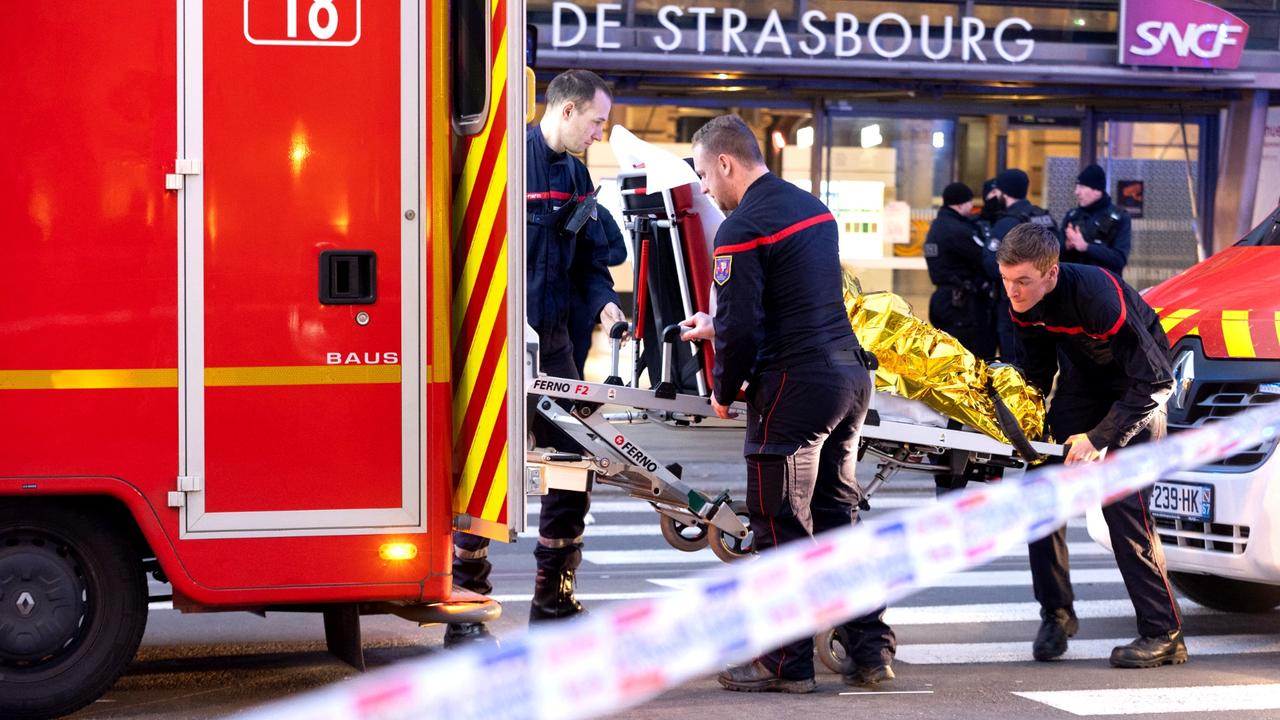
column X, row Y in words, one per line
column 621, row 655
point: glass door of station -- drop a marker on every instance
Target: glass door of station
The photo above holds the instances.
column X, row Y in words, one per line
column 883, row 178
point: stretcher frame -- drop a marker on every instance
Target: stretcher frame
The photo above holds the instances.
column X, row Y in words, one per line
column 689, row 518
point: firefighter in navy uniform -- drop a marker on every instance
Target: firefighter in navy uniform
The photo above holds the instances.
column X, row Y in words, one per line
column 1110, row 355
column 780, row 325
column 583, row 313
column 564, row 238
column 962, row 269
column 1011, row 194
column 1097, row 232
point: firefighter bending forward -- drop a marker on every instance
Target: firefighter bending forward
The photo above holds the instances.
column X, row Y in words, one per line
column 1094, row 332
column 564, row 267
column 780, row 324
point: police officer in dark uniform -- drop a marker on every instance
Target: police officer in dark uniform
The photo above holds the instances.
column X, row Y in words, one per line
column 780, row 325
column 1097, row 232
column 562, row 251
column 1011, row 192
column 960, row 266
column 1110, row 355
column 991, row 208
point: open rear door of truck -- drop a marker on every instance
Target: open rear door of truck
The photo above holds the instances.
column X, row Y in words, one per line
column 488, row 301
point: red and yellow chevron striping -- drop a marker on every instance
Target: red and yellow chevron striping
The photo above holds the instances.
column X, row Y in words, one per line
column 1226, row 333
column 479, row 321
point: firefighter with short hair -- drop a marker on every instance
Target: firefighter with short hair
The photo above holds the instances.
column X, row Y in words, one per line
column 1104, row 345
column 565, row 267
column 780, row 325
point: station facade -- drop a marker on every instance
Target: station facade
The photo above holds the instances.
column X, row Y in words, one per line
column 877, row 106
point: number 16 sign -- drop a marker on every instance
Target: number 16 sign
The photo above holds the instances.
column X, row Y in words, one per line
column 302, row 22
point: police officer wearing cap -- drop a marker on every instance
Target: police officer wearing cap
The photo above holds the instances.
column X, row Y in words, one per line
column 1090, row 336
column 1097, row 232
column 991, row 207
column 780, row 325
column 1011, row 193
column 565, row 252
column 960, row 266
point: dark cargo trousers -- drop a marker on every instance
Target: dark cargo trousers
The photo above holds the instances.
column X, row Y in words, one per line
column 563, row 517
column 801, row 451
column 1137, row 548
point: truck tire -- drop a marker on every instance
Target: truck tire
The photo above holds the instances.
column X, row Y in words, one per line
column 73, row 606
column 1226, row 594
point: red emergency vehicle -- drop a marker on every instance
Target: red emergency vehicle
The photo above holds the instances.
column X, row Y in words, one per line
column 1220, row 523
column 256, row 317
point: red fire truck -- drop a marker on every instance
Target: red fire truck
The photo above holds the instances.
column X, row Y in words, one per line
column 255, row 320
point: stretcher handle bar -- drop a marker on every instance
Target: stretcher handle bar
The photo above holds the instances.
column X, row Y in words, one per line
column 616, row 333
column 678, row 252
column 670, row 336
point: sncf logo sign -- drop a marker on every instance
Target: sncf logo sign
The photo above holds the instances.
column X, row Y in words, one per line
column 1180, row 33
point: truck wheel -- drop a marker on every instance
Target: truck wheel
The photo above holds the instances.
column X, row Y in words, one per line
column 1226, row 594
column 73, row 605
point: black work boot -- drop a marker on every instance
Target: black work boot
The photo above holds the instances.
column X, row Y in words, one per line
column 1149, row 652
column 1055, row 627
column 553, row 590
column 456, row 634
column 867, row 675
column 755, row 677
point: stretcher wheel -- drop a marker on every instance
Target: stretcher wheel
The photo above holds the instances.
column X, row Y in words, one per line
column 829, row 649
column 686, row 538
column 728, row 547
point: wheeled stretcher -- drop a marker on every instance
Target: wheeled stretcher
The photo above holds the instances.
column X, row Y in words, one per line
column 672, row 274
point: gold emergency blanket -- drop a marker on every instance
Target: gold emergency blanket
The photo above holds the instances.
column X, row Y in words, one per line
column 921, row 362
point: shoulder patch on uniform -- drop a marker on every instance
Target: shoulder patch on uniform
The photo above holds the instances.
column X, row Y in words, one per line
column 723, row 267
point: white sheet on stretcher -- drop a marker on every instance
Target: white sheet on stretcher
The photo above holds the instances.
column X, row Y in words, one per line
column 900, row 409
column 665, row 170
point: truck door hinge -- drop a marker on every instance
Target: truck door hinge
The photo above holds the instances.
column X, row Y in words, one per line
column 186, row 484
column 181, row 167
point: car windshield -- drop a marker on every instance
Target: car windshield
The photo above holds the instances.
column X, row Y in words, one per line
column 1266, row 234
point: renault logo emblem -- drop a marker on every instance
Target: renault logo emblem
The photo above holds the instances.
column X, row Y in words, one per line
column 25, row 603
column 1184, row 375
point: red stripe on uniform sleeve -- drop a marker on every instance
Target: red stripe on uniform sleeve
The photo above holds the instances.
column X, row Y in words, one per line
column 547, row 195
column 782, row 234
column 1123, row 311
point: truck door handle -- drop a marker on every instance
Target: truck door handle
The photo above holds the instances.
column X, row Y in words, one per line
column 348, row 277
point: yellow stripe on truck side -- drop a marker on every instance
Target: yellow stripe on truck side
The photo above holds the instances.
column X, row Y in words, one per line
column 88, row 379
column 112, row 379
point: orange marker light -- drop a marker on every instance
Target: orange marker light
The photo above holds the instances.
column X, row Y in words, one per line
column 398, row 551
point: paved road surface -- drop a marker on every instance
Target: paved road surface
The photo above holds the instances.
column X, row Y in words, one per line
column 965, row 646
